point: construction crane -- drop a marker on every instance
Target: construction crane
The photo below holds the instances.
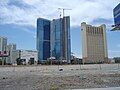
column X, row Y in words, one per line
column 63, row 10
column 64, row 30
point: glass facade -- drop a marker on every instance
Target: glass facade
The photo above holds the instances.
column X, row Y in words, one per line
column 53, row 39
column 66, row 38
column 43, row 39
column 60, row 39
column 56, row 43
column 116, row 12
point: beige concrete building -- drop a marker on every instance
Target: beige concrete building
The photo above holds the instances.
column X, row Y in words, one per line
column 94, row 43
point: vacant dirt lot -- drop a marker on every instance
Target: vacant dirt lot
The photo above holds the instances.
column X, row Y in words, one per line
column 50, row 78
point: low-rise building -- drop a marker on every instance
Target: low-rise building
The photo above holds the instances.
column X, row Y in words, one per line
column 117, row 59
column 28, row 56
column 13, row 54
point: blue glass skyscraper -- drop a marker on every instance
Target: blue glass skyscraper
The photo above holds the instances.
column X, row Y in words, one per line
column 53, row 39
column 60, row 39
column 43, row 39
column 56, row 39
column 116, row 13
column 66, row 41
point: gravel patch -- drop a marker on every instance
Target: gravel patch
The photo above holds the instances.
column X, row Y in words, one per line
column 50, row 78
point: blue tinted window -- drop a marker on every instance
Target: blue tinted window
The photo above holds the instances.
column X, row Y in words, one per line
column 46, row 32
column 43, row 39
column 46, row 51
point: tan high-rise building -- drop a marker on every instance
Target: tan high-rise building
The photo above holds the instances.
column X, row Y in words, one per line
column 94, row 43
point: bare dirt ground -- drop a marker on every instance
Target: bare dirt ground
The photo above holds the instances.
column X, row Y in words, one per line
column 50, row 78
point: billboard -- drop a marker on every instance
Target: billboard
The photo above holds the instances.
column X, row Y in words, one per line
column 116, row 12
column 4, row 53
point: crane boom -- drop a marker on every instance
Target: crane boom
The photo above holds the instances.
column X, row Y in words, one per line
column 63, row 10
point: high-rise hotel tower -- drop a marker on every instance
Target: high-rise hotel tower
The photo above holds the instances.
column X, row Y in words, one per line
column 60, row 39
column 53, row 39
column 94, row 43
column 43, row 39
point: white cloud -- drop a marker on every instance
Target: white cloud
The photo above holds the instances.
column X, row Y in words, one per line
column 31, row 2
column 114, row 53
column 82, row 10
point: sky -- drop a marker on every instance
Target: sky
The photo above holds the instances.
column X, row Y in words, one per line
column 18, row 20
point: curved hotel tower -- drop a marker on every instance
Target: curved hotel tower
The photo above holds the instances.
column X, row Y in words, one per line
column 94, row 44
